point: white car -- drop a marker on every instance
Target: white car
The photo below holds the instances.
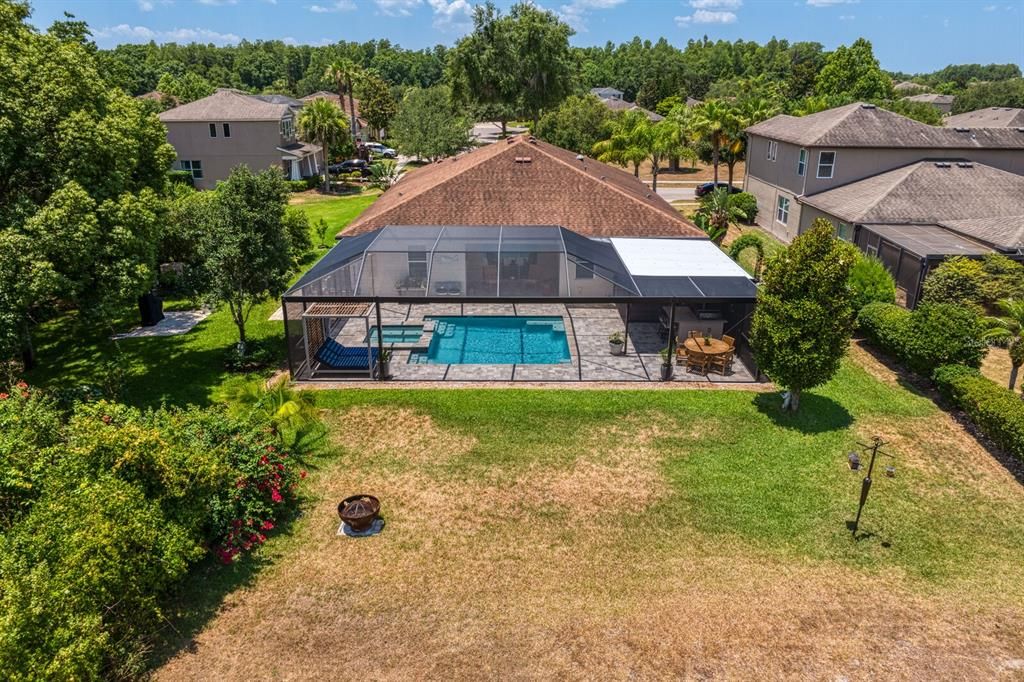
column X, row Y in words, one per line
column 380, row 150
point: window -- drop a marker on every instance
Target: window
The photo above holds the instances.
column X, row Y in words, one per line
column 213, row 130
column 826, row 164
column 773, row 149
column 801, row 165
column 418, row 265
column 195, row 168
column 845, row 232
column 227, row 129
column 584, row 269
column 287, row 130
column 782, row 212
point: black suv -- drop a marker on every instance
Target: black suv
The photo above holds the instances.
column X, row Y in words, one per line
column 351, row 166
column 709, row 187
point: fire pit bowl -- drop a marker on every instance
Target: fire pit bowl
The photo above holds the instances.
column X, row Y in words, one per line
column 359, row 511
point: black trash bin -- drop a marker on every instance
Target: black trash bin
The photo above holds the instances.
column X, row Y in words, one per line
column 151, row 309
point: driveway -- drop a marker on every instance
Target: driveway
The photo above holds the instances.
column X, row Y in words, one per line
column 491, row 132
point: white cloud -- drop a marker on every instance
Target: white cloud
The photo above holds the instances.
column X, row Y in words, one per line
column 146, row 6
column 989, row 8
column 125, row 33
column 215, row 3
column 703, row 16
column 576, row 12
column 397, row 8
column 846, row 17
column 451, row 14
column 289, row 40
column 336, row 6
column 716, row 4
column 831, row 3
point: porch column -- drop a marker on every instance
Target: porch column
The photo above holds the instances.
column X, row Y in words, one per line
column 295, row 175
column 672, row 332
column 625, row 339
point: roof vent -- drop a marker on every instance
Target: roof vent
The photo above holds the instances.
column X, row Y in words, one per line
column 510, row 140
column 1020, row 130
column 648, row 195
column 962, row 130
column 604, row 177
column 943, row 164
column 579, row 157
column 523, row 159
column 532, row 139
column 964, row 164
column 868, row 106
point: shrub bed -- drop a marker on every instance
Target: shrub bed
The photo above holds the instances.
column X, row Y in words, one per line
column 746, row 202
column 996, row 411
column 934, row 334
column 104, row 508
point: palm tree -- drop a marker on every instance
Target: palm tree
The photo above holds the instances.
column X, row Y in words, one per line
column 751, row 111
column 629, row 140
column 344, row 72
column 712, row 122
column 290, row 413
column 1008, row 331
column 667, row 141
column 717, row 212
column 321, row 122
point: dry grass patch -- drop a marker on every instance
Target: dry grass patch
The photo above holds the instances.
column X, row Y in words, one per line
column 398, row 432
column 996, row 366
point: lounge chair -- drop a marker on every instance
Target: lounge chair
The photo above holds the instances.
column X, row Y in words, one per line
column 337, row 356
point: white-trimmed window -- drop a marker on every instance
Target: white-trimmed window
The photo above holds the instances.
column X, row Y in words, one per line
column 417, row 265
column 226, row 127
column 287, row 128
column 845, row 232
column 195, row 168
column 801, row 165
column 773, row 149
column 826, row 164
column 782, row 210
column 213, row 130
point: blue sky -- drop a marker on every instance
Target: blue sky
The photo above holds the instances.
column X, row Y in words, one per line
column 908, row 35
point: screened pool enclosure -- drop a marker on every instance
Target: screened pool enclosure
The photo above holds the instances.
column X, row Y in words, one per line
column 410, row 274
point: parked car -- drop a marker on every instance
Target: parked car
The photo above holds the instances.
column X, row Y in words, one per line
column 351, row 166
column 380, row 150
column 708, row 187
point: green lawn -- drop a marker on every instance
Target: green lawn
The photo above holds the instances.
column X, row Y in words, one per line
column 772, row 245
column 336, row 211
column 174, row 369
column 622, row 534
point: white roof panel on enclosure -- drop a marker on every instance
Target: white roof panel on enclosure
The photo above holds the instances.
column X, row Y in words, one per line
column 675, row 258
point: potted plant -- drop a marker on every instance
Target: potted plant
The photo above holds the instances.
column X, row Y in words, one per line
column 385, row 363
column 666, row 365
column 616, row 342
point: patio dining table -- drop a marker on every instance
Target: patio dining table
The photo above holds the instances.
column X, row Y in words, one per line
column 716, row 347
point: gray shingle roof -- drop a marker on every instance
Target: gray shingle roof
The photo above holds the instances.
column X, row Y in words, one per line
column 972, row 199
column 623, row 105
column 227, row 105
column 991, row 117
column 864, row 125
column 931, row 98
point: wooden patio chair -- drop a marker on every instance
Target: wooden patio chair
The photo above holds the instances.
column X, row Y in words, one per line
column 680, row 351
column 721, row 362
column 729, row 340
column 695, row 359
column 694, row 334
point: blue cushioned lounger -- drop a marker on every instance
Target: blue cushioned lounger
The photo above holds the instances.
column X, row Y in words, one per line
column 337, row 356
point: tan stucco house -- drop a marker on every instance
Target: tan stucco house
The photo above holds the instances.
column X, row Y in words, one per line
column 229, row 128
column 790, row 159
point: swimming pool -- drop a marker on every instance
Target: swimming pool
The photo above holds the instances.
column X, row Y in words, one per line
column 396, row 333
column 496, row 341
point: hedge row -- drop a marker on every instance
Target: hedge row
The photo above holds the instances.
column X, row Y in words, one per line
column 934, row 334
column 997, row 411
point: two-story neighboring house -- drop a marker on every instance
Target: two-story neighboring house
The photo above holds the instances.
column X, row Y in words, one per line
column 229, row 128
column 790, row 158
column 363, row 132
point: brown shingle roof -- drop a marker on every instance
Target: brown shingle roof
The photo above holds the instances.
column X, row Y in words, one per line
column 991, row 117
column 865, row 125
column 226, row 105
column 333, row 97
column 519, row 182
column 907, row 85
column 973, row 199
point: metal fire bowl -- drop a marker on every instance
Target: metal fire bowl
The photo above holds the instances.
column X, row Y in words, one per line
column 359, row 511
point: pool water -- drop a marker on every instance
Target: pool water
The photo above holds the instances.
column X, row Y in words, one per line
column 496, row 341
column 396, row 333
